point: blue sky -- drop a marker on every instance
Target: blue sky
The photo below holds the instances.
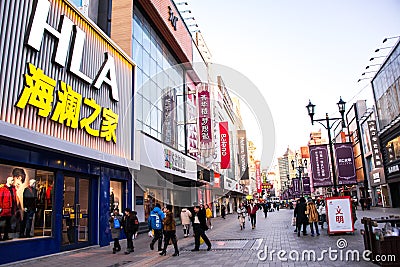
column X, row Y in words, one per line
column 295, row 50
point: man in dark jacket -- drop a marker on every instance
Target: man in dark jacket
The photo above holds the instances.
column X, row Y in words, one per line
column 131, row 226
column 155, row 223
column 199, row 227
column 30, row 199
column 301, row 216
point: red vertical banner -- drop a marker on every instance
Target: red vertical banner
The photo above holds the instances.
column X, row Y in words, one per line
column 204, row 115
column 224, row 145
column 258, row 177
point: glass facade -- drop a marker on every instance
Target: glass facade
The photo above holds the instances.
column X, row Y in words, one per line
column 159, row 84
column 393, row 149
column 386, row 86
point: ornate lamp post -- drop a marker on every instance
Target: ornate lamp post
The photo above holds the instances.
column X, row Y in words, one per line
column 311, row 111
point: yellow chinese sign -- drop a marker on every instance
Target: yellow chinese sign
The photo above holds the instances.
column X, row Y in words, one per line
column 38, row 92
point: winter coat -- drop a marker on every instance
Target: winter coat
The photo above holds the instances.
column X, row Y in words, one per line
column 300, row 213
column 115, row 232
column 185, row 216
column 312, row 212
column 130, row 223
column 241, row 212
column 30, row 198
column 322, row 210
column 8, row 202
column 252, row 209
column 202, row 219
column 155, row 219
column 169, row 222
column 208, row 213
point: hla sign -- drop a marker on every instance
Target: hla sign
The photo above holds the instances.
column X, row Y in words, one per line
column 39, row 24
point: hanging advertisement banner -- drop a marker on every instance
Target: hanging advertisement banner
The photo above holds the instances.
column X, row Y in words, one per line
column 296, row 186
column 243, row 165
column 258, row 177
column 306, row 186
column 204, row 114
column 224, row 145
column 340, row 218
column 168, row 117
column 305, row 153
column 376, row 153
column 319, row 157
column 345, row 164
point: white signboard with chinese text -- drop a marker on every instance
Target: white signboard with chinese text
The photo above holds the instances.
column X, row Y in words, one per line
column 340, row 219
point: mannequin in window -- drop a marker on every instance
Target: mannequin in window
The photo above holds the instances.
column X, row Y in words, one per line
column 30, row 201
column 49, row 195
column 111, row 199
column 8, row 205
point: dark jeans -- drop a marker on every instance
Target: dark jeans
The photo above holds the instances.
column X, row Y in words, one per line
column 253, row 219
column 116, row 244
column 298, row 226
column 26, row 224
column 170, row 235
column 312, row 228
column 7, row 226
column 158, row 235
column 129, row 241
column 198, row 231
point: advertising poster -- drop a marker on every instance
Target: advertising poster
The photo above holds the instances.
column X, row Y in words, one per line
column 224, row 145
column 338, row 212
column 345, row 164
column 320, row 168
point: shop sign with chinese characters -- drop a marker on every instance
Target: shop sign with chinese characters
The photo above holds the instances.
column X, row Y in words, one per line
column 76, row 90
column 204, row 115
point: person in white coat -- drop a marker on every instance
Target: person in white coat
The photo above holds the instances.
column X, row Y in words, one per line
column 185, row 219
column 322, row 213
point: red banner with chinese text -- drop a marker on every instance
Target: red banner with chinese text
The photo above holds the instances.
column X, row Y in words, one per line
column 258, row 177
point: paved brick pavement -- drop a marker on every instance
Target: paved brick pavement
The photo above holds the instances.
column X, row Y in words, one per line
column 230, row 246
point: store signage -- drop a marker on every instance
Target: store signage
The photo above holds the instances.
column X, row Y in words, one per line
column 258, row 176
column 174, row 161
column 243, row 165
column 168, row 117
column 296, row 186
column 204, row 115
column 376, row 153
column 306, row 186
column 345, row 164
column 319, row 160
column 224, row 145
column 172, row 18
column 106, row 73
column 393, row 169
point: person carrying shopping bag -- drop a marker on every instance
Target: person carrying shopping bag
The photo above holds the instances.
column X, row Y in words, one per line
column 241, row 215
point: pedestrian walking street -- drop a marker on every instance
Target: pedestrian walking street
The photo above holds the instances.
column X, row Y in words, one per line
column 230, row 246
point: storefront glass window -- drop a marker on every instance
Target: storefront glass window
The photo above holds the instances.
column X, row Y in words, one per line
column 115, row 195
column 152, row 56
column 26, row 202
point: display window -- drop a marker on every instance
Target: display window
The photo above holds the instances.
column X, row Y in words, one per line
column 26, row 202
column 393, row 149
column 115, row 195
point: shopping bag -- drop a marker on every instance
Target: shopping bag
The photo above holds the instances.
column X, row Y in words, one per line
column 201, row 241
column 117, row 225
column 151, row 233
column 294, row 221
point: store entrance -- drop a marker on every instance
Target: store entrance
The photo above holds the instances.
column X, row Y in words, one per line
column 75, row 222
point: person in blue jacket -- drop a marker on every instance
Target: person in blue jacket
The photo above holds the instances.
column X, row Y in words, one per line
column 155, row 223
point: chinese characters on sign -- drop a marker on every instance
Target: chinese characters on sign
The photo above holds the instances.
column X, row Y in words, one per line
column 376, row 154
column 345, row 164
column 38, row 92
column 340, row 219
column 168, row 119
column 174, row 160
column 204, row 115
column 321, row 175
column 258, row 177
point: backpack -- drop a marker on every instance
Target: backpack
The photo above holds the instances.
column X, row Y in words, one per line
column 117, row 224
column 156, row 223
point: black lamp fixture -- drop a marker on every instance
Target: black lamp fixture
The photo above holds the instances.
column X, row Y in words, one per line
column 310, row 108
column 372, row 58
column 368, row 72
column 367, row 67
column 379, row 49
column 387, row 38
column 363, row 79
column 342, row 107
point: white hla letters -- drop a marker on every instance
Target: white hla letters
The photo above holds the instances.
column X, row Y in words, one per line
column 36, row 32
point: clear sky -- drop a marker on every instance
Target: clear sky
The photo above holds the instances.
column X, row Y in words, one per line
column 295, row 50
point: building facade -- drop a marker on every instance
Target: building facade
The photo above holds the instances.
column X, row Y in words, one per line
column 66, row 130
column 386, row 89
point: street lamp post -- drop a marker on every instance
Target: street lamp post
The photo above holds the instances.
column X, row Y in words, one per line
column 341, row 105
column 300, row 170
